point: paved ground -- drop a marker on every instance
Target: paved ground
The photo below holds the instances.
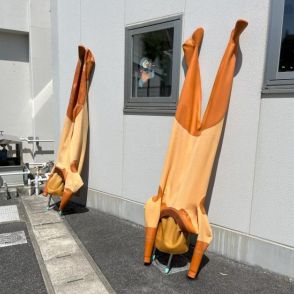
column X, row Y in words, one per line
column 19, row 268
column 67, row 265
column 117, row 248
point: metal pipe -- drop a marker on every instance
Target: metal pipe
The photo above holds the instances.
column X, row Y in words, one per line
column 7, row 191
column 36, row 140
column 15, row 173
column 40, row 179
column 37, row 183
column 43, row 164
column 13, row 185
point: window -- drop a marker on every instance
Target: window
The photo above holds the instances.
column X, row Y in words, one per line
column 152, row 65
column 279, row 75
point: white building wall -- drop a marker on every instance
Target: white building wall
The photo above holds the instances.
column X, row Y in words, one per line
column 273, row 201
column 15, row 105
column 15, row 81
column 105, row 36
column 26, row 78
column 44, row 108
column 145, row 137
column 14, row 15
column 126, row 152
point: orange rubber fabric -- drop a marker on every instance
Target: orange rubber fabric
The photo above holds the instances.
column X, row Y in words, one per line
column 192, row 148
column 65, row 177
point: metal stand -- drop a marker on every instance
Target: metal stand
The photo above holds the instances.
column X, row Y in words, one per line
column 153, row 254
column 7, row 191
column 49, row 200
column 167, row 269
column 53, row 205
column 49, row 205
column 168, row 266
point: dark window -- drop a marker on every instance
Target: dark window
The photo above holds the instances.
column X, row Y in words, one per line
column 152, row 63
column 152, row 67
column 279, row 74
column 287, row 39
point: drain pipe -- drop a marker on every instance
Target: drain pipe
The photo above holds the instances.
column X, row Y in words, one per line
column 36, row 140
column 6, row 190
column 42, row 164
column 12, row 185
column 37, row 182
column 15, row 173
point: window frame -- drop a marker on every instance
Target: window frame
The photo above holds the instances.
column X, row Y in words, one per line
column 153, row 105
column 275, row 81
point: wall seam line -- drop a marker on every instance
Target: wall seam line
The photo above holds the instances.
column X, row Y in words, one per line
column 255, row 167
column 123, row 117
column 257, row 143
column 31, row 77
column 80, row 21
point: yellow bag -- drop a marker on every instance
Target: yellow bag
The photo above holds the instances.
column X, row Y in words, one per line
column 55, row 185
column 170, row 238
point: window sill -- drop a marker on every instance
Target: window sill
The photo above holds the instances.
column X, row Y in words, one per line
column 150, row 111
column 277, row 90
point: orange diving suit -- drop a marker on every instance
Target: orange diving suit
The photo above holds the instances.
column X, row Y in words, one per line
column 65, row 178
column 178, row 208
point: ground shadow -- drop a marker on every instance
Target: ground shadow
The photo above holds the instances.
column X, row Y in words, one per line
column 71, row 208
column 180, row 262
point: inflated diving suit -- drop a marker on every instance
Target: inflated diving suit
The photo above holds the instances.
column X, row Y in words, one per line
column 178, row 208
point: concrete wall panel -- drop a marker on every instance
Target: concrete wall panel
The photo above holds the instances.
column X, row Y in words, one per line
column 69, row 37
column 145, row 145
column 16, row 103
column 40, row 14
column 273, row 201
column 140, row 11
column 14, row 15
column 103, row 33
column 41, row 71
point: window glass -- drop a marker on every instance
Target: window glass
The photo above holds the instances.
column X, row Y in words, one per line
column 152, row 63
column 286, row 62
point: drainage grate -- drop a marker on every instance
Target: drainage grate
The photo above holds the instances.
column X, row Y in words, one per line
column 8, row 213
column 10, row 239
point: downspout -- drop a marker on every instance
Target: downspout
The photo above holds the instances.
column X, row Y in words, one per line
column 55, row 68
column 31, row 76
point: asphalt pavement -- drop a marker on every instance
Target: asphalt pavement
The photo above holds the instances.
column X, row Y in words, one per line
column 117, row 248
column 19, row 269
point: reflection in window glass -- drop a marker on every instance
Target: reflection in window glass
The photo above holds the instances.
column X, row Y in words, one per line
column 287, row 41
column 152, row 63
